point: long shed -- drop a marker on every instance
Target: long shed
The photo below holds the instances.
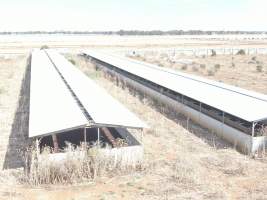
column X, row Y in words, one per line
column 238, row 115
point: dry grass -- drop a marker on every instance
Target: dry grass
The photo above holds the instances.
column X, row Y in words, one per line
column 259, row 68
column 79, row 165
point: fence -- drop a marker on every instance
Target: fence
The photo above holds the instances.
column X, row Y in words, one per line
column 195, row 52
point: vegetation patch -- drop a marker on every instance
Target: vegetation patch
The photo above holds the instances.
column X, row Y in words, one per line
column 202, row 66
column 213, row 53
column 44, row 47
column 74, row 165
column 184, row 67
column 259, row 68
column 241, row 52
column 211, row 72
column 217, row 67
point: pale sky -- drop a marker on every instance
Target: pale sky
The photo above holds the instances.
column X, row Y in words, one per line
column 97, row 15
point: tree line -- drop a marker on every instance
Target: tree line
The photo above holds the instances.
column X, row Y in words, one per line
column 135, row 32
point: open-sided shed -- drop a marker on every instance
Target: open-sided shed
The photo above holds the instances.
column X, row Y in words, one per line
column 236, row 114
column 64, row 100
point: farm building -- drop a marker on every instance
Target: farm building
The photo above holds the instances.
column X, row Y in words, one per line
column 67, row 106
column 237, row 115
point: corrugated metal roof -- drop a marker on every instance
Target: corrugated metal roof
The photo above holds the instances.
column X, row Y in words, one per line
column 247, row 105
column 102, row 107
column 52, row 108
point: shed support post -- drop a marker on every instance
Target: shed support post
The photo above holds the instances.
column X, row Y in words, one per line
column 253, row 129
column 200, row 111
column 222, row 122
column 142, row 135
column 55, row 142
column 98, row 136
column 187, row 123
column 37, row 147
column 84, row 136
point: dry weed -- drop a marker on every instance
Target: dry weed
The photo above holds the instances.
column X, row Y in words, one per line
column 76, row 165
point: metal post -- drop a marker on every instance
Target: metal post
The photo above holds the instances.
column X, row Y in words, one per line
column 142, row 135
column 98, row 136
column 55, row 143
column 84, row 136
column 37, row 147
column 222, row 122
column 253, row 128
column 187, row 123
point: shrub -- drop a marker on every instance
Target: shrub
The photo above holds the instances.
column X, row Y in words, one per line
column 44, row 47
column 217, row 66
column 72, row 61
column 2, row 90
column 213, row 52
column 254, row 58
column 259, row 68
column 233, row 65
column 241, row 52
column 77, row 164
column 211, row 72
column 202, row 66
column 160, row 64
column 184, row 67
column 252, row 62
column 194, row 68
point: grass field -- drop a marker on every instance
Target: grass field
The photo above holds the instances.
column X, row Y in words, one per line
column 179, row 163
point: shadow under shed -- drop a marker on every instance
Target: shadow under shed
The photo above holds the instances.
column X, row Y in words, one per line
column 18, row 138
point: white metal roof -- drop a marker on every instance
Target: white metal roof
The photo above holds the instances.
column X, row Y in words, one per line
column 52, row 108
column 102, row 107
column 247, row 105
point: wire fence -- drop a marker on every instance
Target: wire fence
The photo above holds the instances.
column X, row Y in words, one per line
column 196, row 52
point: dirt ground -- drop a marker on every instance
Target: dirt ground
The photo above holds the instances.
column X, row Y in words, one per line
column 25, row 43
column 179, row 163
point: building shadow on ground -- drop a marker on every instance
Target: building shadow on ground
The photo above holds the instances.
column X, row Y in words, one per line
column 18, row 139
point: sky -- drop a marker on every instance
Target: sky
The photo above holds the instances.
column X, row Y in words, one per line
column 112, row 15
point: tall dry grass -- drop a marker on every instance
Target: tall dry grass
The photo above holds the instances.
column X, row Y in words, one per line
column 79, row 164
